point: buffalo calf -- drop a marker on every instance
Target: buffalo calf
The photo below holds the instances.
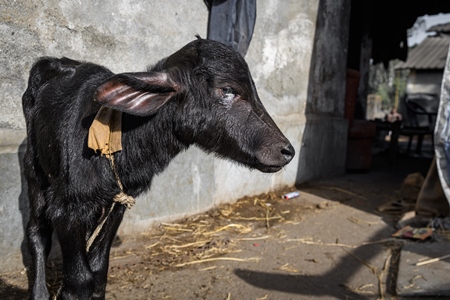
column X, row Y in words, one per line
column 201, row 95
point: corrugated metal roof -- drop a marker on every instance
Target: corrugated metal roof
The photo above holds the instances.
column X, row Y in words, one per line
column 431, row 53
column 445, row 28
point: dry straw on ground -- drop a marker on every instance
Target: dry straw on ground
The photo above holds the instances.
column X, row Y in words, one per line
column 207, row 237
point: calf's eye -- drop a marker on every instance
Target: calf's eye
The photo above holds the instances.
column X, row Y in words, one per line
column 228, row 94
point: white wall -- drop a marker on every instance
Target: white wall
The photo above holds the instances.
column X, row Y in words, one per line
column 428, row 82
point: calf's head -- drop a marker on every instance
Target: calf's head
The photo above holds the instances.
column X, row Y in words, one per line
column 214, row 100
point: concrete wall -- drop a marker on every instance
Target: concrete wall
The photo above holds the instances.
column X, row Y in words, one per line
column 324, row 140
column 126, row 35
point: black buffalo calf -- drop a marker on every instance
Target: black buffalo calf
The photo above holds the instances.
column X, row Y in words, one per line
column 203, row 94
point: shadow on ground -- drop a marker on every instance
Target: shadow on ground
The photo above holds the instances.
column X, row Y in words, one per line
column 291, row 267
column 12, row 292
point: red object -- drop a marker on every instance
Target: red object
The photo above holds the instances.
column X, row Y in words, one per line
column 351, row 92
column 359, row 145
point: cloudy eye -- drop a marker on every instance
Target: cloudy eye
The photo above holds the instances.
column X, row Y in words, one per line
column 228, row 94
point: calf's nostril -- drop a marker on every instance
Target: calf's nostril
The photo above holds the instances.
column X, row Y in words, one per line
column 288, row 152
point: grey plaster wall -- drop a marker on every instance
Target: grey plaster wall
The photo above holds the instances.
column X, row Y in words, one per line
column 279, row 58
column 126, row 35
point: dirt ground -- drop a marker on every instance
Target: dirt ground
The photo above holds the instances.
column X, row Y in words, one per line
column 331, row 242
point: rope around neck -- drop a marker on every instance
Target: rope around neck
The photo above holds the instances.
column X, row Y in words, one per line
column 121, row 198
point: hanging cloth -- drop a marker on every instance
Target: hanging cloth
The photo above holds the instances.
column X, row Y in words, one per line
column 232, row 22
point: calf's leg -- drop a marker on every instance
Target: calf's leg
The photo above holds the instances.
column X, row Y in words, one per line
column 78, row 280
column 39, row 235
column 99, row 253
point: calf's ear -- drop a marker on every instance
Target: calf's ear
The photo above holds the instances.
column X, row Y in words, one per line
column 139, row 94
